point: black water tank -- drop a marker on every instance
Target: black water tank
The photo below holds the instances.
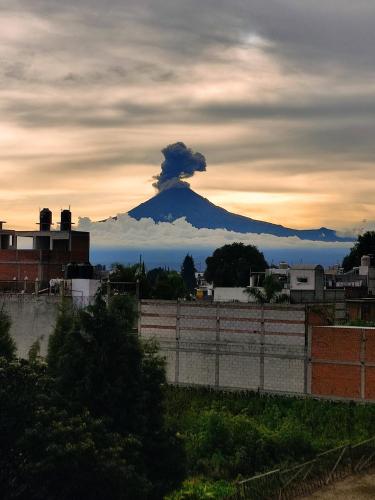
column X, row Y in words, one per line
column 45, row 219
column 85, row 271
column 71, row 271
column 66, row 220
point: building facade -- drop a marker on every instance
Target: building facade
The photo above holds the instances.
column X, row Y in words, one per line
column 42, row 255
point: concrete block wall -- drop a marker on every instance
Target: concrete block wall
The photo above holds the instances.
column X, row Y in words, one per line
column 227, row 345
column 32, row 317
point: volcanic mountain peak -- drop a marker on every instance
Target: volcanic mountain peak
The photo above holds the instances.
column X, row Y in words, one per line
column 177, row 202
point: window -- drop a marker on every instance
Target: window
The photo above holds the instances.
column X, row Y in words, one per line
column 302, row 279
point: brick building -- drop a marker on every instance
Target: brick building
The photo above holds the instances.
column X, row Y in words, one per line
column 45, row 254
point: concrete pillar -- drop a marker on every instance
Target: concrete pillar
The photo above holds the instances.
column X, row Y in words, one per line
column 217, row 355
column 177, row 365
column 261, row 353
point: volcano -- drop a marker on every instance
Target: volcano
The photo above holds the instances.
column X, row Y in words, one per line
column 177, row 202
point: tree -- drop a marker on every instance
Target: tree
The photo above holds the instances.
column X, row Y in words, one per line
column 101, row 365
column 34, row 351
column 188, row 273
column 169, row 286
column 123, row 273
column 365, row 245
column 154, row 274
column 50, row 451
column 230, row 265
column 131, row 274
column 7, row 345
column 271, row 292
column 165, row 285
column 56, row 341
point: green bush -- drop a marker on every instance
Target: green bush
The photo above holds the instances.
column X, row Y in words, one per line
column 201, row 489
column 220, row 445
column 228, row 435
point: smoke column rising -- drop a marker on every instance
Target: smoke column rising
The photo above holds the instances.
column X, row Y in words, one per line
column 180, row 163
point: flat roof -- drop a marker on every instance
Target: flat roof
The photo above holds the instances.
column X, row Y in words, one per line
column 306, row 267
column 62, row 234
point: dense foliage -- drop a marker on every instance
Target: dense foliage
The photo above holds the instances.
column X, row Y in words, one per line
column 202, row 489
column 7, row 344
column 232, row 435
column 157, row 283
column 166, row 285
column 98, row 363
column 230, row 265
column 48, row 450
column 365, row 245
column 90, row 422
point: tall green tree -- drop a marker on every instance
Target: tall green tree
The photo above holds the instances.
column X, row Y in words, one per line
column 365, row 245
column 188, row 273
column 165, row 284
column 101, row 365
column 230, row 265
column 56, row 341
column 7, row 345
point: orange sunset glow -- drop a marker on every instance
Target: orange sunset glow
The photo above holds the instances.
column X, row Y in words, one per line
column 91, row 92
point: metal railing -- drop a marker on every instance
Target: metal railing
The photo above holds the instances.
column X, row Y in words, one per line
column 22, row 286
column 308, row 477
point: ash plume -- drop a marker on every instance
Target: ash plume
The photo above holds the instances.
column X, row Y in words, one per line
column 180, row 163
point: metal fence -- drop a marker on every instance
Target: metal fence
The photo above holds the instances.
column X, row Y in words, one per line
column 304, row 479
column 23, row 286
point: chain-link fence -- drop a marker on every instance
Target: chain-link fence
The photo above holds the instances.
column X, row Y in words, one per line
column 304, row 479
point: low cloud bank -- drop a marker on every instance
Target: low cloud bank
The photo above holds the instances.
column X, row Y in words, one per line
column 126, row 232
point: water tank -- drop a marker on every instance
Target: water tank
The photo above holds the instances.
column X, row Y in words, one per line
column 85, row 271
column 66, row 220
column 45, row 219
column 366, row 261
column 71, row 271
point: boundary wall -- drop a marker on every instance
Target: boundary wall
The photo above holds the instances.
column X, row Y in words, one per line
column 227, row 345
column 33, row 317
column 270, row 348
column 343, row 362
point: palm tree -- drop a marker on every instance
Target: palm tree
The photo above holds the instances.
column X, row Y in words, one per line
column 270, row 293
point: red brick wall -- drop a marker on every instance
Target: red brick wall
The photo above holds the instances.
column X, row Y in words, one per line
column 8, row 272
column 333, row 343
column 80, row 246
column 370, row 383
column 336, row 380
column 341, row 362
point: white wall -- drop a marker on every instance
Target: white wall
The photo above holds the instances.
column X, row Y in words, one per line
column 302, row 273
column 83, row 291
column 231, row 294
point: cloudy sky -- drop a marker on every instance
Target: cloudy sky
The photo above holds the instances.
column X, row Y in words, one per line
column 279, row 95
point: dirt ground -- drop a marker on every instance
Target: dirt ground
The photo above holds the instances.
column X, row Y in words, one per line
column 361, row 487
